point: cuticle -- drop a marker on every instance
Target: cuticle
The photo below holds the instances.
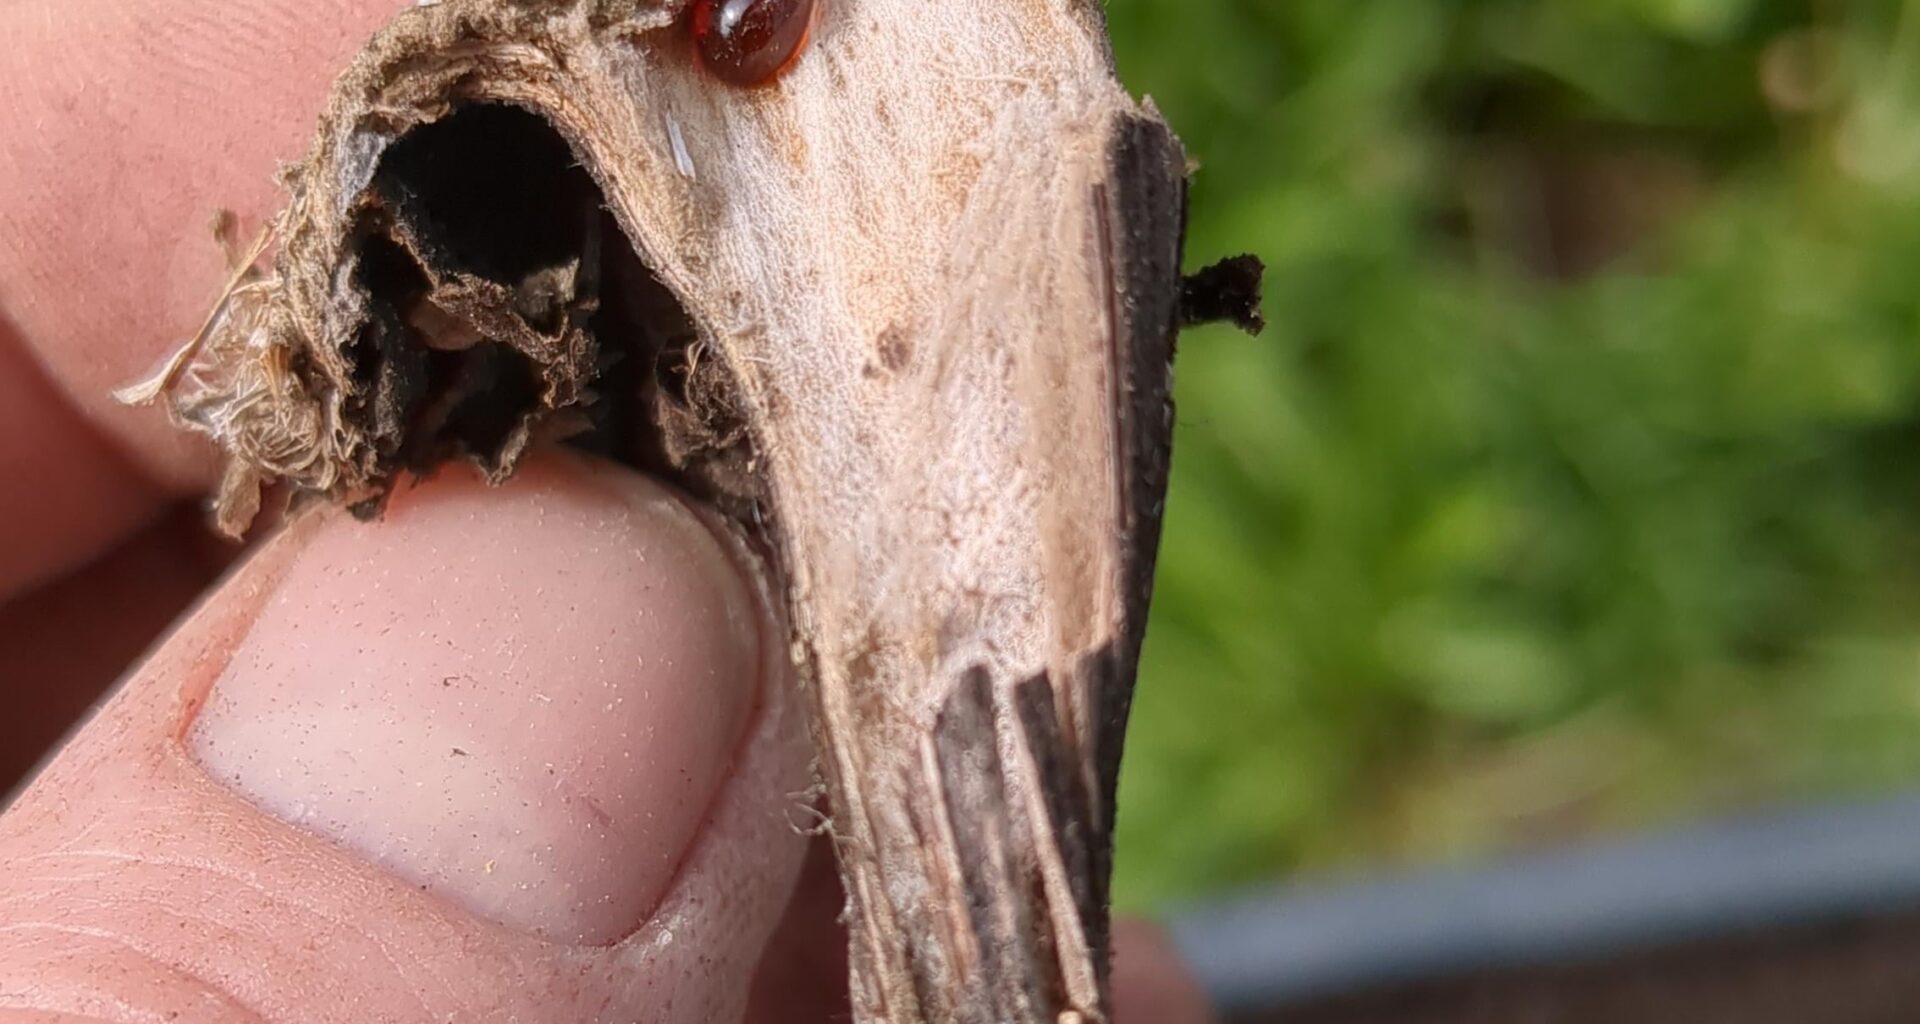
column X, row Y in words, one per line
column 770, row 629
column 266, row 571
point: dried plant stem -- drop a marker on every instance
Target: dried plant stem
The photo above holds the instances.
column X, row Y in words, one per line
column 906, row 316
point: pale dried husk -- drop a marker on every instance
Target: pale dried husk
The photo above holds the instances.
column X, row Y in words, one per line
column 932, row 285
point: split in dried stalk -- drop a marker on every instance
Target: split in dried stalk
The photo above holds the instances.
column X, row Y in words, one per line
column 906, row 317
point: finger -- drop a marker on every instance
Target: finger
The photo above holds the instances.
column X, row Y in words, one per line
column 803, row 978
column 127, row 125
column 62, row 645
column 1151, row 982
column 66, row 493
column 515, row 755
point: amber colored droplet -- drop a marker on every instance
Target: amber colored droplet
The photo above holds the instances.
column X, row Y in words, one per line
column 750, row 42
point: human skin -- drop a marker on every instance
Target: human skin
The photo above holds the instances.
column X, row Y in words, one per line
column 520, row 754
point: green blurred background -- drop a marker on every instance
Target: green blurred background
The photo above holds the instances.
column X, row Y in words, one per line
column 1573, row 487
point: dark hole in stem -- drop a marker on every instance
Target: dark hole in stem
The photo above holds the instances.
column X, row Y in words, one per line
column 507, row 304
column 492, row 190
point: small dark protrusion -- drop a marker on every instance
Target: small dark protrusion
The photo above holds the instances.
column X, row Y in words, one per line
column 367, row 510
column 1227, row 291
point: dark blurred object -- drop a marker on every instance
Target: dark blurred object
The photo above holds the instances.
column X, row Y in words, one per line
column 1226, row 292
column 1809, row 916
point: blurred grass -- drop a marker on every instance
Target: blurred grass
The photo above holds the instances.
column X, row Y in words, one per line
column 1574, row 486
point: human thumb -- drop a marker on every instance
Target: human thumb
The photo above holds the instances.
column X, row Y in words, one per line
column 522, row 754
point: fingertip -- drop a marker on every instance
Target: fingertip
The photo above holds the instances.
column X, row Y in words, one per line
column 313, row 847
column 523, row 703
column 127, row 126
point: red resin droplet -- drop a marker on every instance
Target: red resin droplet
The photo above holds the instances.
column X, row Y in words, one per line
column 750, row 42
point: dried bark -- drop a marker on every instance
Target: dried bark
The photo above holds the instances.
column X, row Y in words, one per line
column 906, row 316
